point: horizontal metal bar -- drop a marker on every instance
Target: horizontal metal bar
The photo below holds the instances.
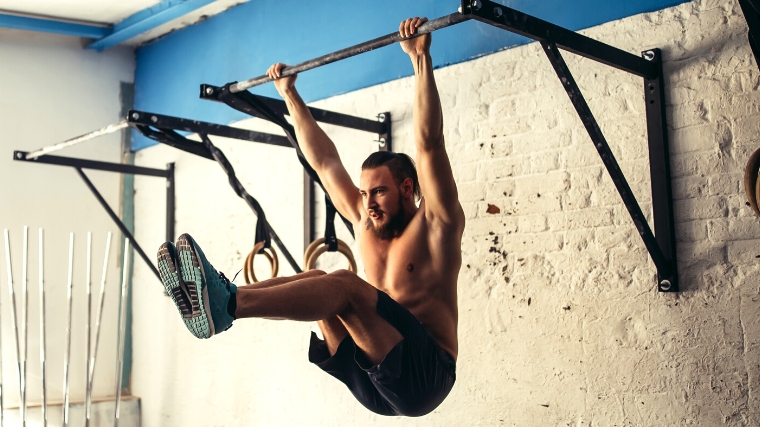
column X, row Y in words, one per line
column 175, row 123
column 52, row 26
column 428, row 27
column 82, row 138
column 529, row 26
column 209, row 92
column 91, row 164
column 118, row 222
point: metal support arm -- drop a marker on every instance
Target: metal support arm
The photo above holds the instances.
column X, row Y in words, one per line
column 79, row 164
column 664, row 266
column 141, row 118
column 539, row 30
column 212, row 93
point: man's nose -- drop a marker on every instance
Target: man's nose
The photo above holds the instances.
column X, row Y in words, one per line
column 371, row 202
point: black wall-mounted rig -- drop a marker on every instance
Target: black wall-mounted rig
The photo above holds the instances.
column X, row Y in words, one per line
column 661, row 243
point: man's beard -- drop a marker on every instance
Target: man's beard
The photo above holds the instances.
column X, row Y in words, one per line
column 393, row 227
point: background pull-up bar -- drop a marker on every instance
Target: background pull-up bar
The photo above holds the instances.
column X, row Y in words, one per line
column 427, row 27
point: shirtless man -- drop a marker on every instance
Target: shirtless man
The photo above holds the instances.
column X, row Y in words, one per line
column 393, row 338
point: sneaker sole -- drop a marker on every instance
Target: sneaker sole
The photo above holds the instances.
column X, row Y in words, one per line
column 182, row 293
column 194, row 276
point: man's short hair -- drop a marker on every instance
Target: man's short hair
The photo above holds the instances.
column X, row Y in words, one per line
column 400, row 165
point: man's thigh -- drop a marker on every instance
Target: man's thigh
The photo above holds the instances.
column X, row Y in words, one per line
column 373, row 335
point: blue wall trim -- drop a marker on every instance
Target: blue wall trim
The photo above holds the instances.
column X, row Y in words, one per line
column 51, row 26
column 147, row 20
column 242, row 42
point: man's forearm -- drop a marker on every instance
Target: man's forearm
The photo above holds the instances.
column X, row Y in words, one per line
column 428, row 118
column 315, row 144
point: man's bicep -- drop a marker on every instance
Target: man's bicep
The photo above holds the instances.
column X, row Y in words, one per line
column 343, row 193
column 437, row 184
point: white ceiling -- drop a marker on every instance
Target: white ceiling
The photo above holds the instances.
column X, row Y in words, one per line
column 107, row 12
column 96, row 11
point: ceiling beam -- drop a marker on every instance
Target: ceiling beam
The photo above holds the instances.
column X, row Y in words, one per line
column 52, row 26
column 146, row 20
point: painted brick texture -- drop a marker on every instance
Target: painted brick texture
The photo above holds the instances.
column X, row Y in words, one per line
column 560, row 319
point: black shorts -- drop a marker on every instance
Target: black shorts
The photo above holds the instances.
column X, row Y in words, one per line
column 412, row 380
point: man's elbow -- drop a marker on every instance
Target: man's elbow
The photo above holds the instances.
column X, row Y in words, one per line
column 429, row 141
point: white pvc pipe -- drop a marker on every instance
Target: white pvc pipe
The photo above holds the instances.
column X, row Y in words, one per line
column 13, row 308
column 86, row 137
column 98, row 318
column 2, row 405
column 24, row 321
column 67, row 350
column 42, row 329
column 122, row 327
column 88, row 284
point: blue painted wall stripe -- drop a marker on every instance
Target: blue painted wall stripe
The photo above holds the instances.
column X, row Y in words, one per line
column 242, row 42
column 51, row 26
column 147, row 20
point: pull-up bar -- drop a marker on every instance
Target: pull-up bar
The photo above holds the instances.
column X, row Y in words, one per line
column 427, row 27
column 506, row 18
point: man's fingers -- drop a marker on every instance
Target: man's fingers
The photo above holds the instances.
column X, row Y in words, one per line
column 275, row 70
column 414, row 24
column 408, row 28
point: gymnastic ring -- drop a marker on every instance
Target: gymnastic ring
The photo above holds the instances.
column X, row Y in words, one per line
column 248, row 273
column 313, row 245
column 751, row 181
column 342, row 248
column 309, row 249
column 249, row 265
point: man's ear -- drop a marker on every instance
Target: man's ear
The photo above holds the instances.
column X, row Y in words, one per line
column 407, row 187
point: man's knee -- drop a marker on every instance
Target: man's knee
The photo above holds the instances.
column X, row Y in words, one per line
column 312, row 273
column 360, row 294
column 345, row 275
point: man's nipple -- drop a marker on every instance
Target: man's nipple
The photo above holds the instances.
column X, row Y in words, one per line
column 410, row 267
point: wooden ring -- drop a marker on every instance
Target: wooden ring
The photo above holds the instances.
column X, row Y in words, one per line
column 751, row 182
column 342, row 248
column 248, row 273
column 313, row 245
column 309, row 249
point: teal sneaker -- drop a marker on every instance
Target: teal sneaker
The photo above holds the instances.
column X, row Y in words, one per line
column 201, row 294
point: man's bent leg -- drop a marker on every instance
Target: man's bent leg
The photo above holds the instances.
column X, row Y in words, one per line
column 342, row 294
column 277, row 281
column 334, row 333
column 332, row 329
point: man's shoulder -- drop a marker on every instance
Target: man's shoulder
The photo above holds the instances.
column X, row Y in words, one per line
column 453, row 222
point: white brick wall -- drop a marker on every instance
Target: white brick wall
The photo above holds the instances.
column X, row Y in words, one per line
column 560, row 320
